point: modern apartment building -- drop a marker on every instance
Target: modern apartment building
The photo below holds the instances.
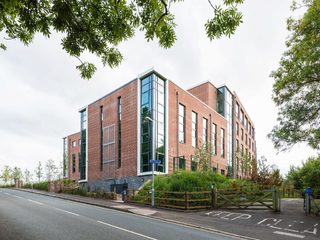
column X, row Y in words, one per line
column 152, row 118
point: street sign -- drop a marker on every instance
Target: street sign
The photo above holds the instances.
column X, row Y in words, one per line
column 155, row 161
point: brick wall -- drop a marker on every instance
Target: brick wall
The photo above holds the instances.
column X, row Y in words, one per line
column 185, row 149
column 128, row 95
column 73, row 150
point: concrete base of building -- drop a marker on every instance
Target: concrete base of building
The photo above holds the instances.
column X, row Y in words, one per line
column 107, row 185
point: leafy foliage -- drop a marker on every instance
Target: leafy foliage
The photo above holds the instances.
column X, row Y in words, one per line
column 99, row 26
column 6, row 174
column 297, row 83
column 306, row 176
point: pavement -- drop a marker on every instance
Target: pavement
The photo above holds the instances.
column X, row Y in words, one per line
column 290, row 223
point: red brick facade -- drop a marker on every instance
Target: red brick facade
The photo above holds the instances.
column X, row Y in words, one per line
column 103, row 132
column 179, row 96
column 73, row 156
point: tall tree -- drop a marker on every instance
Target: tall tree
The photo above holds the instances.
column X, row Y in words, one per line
column 27, row 176
column 6, row 174
column 202, row 157
column 39, row 171
column 99, row 26
column 16, row 174
column 296, row 90
column 51, row 170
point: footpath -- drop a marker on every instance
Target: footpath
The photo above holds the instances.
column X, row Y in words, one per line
column 290, row 223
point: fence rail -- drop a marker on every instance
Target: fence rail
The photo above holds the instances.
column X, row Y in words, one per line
column 231, row 198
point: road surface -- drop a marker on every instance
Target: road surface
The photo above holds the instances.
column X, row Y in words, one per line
column 28, row 216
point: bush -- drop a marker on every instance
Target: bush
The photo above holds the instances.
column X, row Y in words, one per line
column 186, row 181
column 39, row 186
column 7, row 186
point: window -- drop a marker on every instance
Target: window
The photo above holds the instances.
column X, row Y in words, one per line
column 152, row 118
column 241, row 134
column 222, row 171
column 242, row 150
column 205, row 131
column 214, row 139
column 182, row 113
column 74, row 143
column 252, row 132
column 249, row 143
column 246, row 139
column 119, row 130
column 79, row 142
column 250, row 128
column 214, row 169
column 179, row 163
column 194, row 133
column 241, row 116
column 79, row 159
column 83, row 125
column 101, row 138
column 73, row 163
column 246, row 123
column 237, row 145
column 252, row 146
column 194, row 164
column 237, row 110
column 222, row 143
column 237, row 128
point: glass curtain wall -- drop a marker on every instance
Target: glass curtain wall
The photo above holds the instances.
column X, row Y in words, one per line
column 224, row 107
column 152, row 123
column 83, row 137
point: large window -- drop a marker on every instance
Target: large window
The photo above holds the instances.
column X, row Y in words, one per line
column 194, row 133
column 241, row 116
column 222, row 142
column 237, row 110
column 237, row 129
column 101, row 138
column 204, row 131
column 83, row 126
column 214, row 139
column 119, row 130
column 73, row 163
column 246, row 123
column 182, row 125
column 179, row 163
column 152, row 122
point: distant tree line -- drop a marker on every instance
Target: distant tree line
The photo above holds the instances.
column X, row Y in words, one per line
column 48, row 171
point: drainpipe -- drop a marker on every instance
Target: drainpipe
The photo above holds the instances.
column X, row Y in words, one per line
column 177, row 144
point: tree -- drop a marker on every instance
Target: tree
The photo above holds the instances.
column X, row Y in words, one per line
column 296, row 90
column 99, row 26
column 27, row 176
column 202, row 157
column 39, row 171
column 293, row 178
column 16, row 174
column 51, row 170
column 6, row 174
column 310, row 173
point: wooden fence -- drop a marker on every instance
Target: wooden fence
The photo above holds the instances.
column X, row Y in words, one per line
column 231, row 198
column 291, row 193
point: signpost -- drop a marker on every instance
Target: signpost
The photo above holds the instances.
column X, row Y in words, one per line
column 153, row 162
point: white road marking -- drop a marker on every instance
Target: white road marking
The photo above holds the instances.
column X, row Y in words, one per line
column 289, row 234
column 35, row 201
column 126, row 230
column 17, row 196
column 75, row 214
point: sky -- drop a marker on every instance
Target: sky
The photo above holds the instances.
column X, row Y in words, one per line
column 41, row 91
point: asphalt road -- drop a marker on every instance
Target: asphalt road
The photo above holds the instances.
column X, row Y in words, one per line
column 28, row 216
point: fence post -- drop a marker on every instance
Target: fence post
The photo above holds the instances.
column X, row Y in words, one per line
column 186, row 200
column 273, row 198
column 213, row 197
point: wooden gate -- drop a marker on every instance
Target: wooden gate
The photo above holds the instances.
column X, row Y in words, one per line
column 241, row 199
